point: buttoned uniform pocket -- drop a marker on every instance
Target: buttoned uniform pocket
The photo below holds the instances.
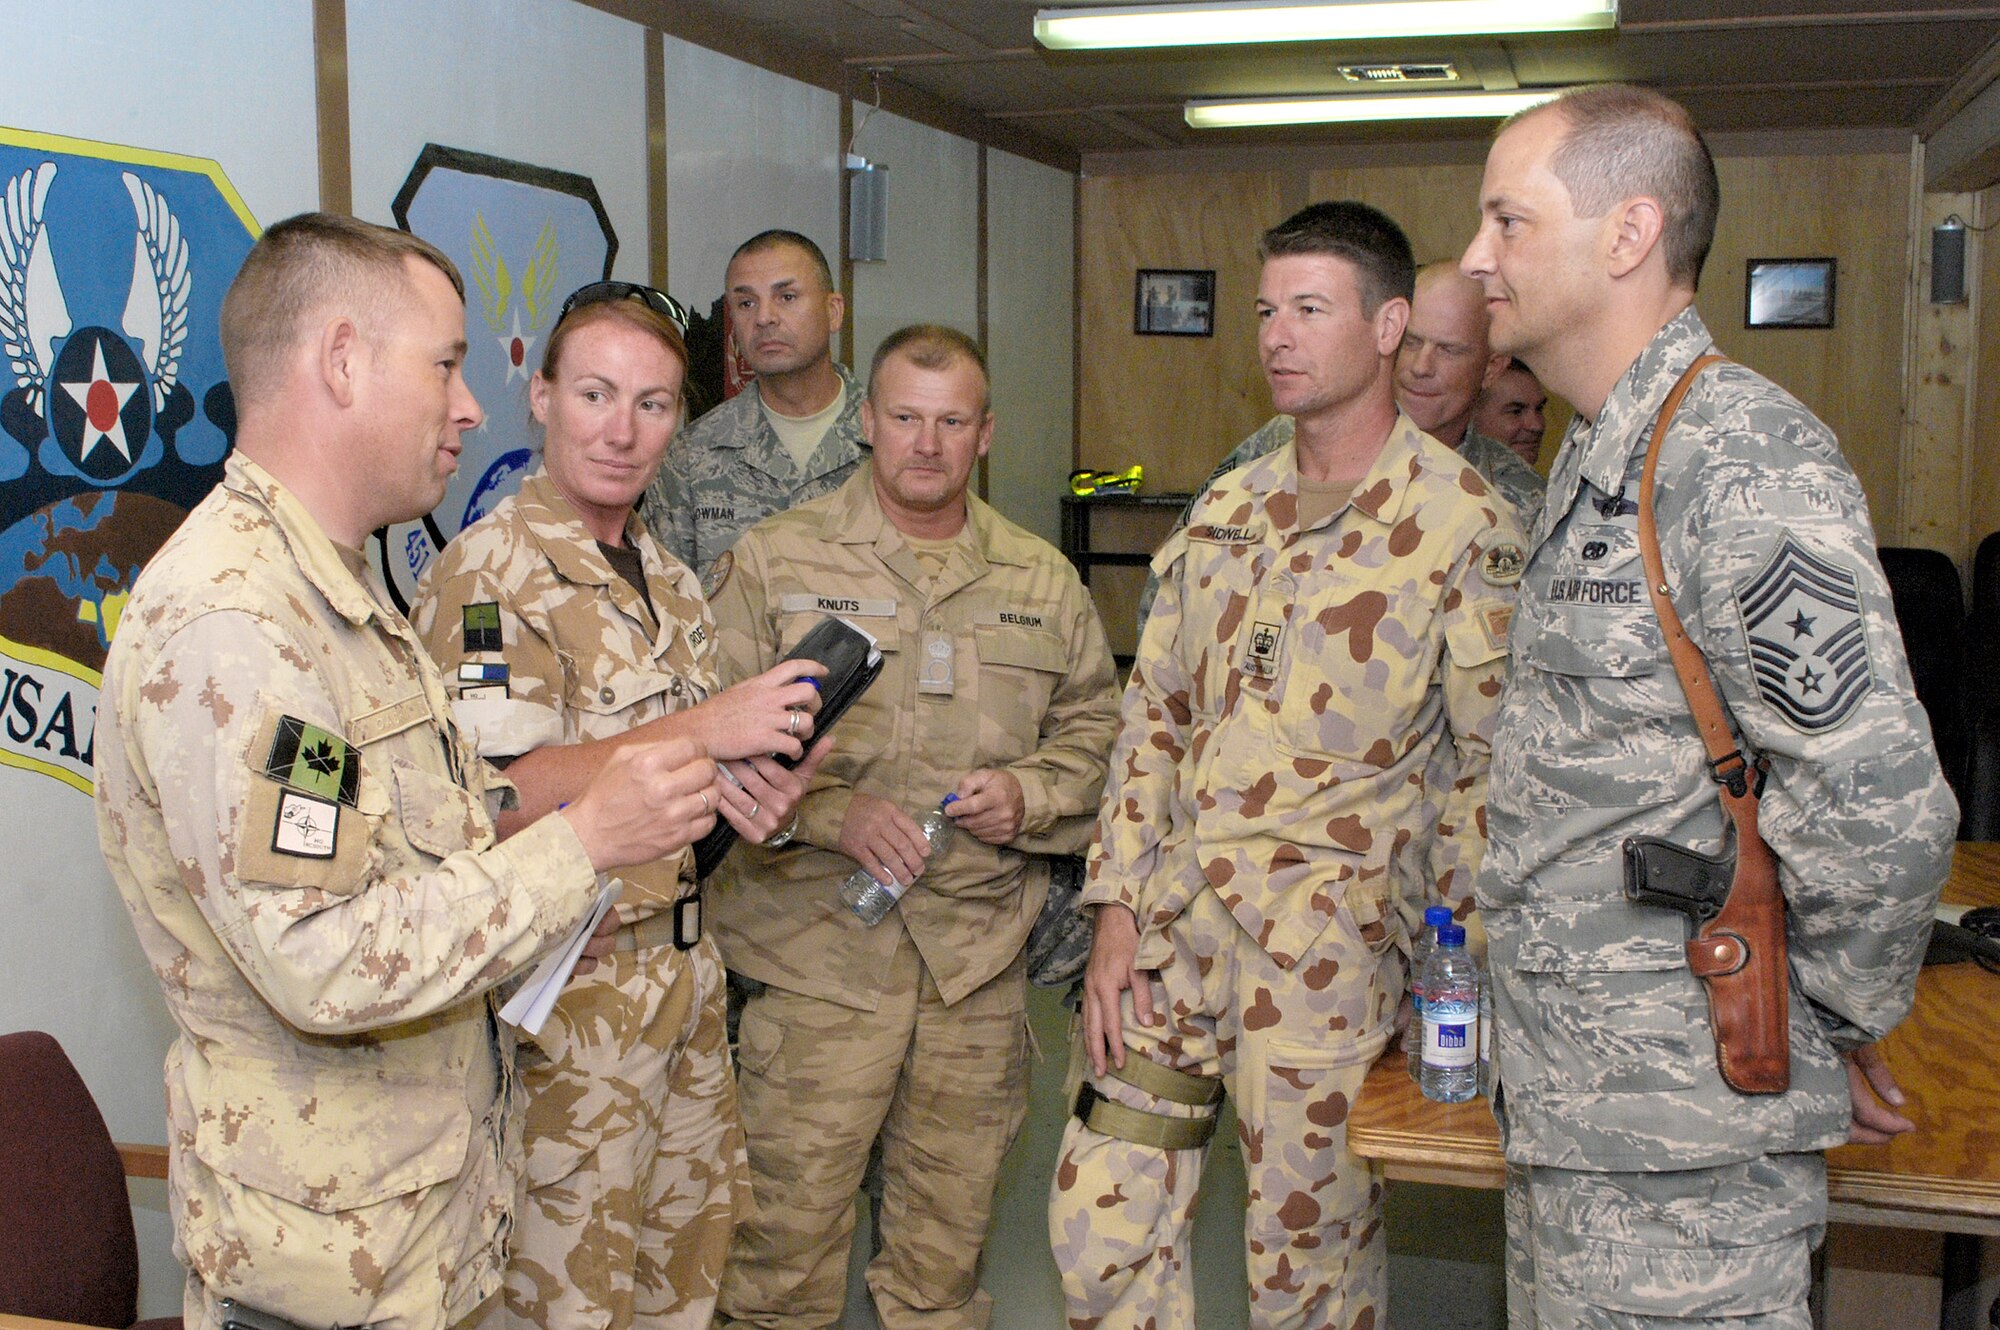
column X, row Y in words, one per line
column 1356, row 661
column 1019, row 671
column 438, row 816
column 318, row 1162
column 604, row 694
column 1594, row 619
column 1611, row 1004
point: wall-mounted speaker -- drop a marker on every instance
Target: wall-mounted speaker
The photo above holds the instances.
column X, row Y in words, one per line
column 867, row 211
column 1948, row 262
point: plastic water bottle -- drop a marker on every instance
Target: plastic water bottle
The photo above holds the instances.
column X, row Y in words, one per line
column 872, row 899
column 1420, row 951
column 1451, row 1020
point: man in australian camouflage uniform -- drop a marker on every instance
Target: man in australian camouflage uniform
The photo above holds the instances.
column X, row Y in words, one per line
column 305, row 844
column 1443, row 364
column 792, row 435
column 1644, row 1190
column 996, row 686
column 1329, row 640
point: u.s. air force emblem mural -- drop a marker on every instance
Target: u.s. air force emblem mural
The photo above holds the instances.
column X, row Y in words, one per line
column 524, row 237
column 115, row 414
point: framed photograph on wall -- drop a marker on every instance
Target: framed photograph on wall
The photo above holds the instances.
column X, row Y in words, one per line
column 1174, row 302
column 1788, row 293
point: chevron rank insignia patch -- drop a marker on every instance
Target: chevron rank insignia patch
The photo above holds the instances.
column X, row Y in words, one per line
column 1808, row 650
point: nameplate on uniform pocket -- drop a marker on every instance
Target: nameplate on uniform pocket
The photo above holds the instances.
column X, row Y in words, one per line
column 1215, row 533
column 811, row 602
column 1012, row 619
column 308, row 759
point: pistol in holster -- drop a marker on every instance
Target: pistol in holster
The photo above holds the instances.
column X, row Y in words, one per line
column 1737, row 948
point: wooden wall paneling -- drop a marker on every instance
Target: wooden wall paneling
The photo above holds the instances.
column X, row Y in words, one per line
column 1854, row 208
column 1939, row 401
column 1437, row 206
column 336, row 157
column 1982, row 267
column 1177, row 404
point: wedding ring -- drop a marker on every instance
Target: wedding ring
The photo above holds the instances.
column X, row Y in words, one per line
column 792, row 726
column 754, row 807
column 704, row 801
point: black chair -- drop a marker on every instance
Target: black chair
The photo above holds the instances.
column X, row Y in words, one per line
column 1930, row 609
column 72, row 1254
column 1982, row 631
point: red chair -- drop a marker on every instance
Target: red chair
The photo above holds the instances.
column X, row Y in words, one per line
column 65, row 1218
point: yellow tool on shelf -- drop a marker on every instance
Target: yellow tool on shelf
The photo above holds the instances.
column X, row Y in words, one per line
column 1087, row 483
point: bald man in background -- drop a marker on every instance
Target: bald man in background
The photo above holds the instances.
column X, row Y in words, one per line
column 1442, row 366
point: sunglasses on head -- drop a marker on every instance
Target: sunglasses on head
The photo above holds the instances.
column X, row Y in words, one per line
column 659, row 302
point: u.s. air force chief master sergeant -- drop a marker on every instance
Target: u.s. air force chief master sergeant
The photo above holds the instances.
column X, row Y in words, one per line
column 304, row 842
column 1645, row 1189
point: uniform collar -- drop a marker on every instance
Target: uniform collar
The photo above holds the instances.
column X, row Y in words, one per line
column 846, row 426
column 1606, row 446
column 312, row 549
column 557, row 528
column 855, row 517
column 1380, row 495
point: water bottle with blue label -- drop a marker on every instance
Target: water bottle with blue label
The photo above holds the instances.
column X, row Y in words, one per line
column 1451, row 1020
column 1435, row 916
column 872, row 899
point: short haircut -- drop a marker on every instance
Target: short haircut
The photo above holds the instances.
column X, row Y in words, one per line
column 637, row 313
column 932, row 346
column 772, row 239
column 1365, row 237
column 299, row 272
column 1622, row 142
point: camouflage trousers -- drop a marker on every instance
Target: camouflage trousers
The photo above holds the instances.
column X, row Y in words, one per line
column 1292, row 1047
column 945, row 1089
column 634, row 1151
column 1723, row 1247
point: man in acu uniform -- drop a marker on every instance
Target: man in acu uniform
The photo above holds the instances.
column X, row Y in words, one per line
column 1645, row 1190
column 791, row 435
column 305, row 844
column 1313, row 694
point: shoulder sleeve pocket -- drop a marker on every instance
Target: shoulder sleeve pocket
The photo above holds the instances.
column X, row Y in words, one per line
column 1477, row 634
column 437, row 816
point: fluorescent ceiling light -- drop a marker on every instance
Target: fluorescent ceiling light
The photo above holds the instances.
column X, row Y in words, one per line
column 1240, row 112
column 1217, row 24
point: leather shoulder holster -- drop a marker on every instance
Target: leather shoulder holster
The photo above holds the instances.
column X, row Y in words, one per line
column 1739, row 955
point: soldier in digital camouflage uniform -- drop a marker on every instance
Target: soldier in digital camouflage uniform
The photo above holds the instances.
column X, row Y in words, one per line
column 996, row 685
column 303, row 839
column 1441, row 367
column 556, row 640
column 793, row 434
column 1644, row 1190
column 1513, row 410
column 1323, row 664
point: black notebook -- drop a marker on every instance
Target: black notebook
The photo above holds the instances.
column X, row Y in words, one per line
column 852, row 661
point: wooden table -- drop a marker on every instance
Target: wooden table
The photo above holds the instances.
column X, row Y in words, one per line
column 1943, row 1177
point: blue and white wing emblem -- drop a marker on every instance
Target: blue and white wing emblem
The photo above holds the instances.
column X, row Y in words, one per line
column 156, row 311
column 33, row 313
